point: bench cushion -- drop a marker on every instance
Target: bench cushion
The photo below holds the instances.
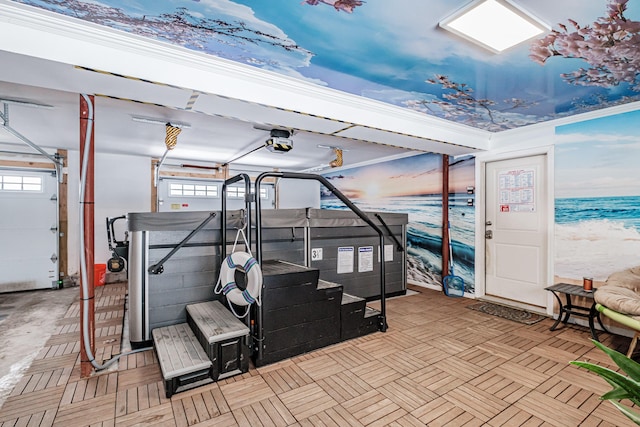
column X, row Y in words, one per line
column 621, row 292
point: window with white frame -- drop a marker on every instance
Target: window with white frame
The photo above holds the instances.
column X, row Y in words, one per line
column 21, row 183
column 235, row 192
column 193, row 190
column 239, row 192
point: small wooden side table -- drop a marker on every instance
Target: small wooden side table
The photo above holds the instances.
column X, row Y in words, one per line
column 568, row 308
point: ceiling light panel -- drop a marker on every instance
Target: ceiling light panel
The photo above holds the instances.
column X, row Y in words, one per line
column 496, row 25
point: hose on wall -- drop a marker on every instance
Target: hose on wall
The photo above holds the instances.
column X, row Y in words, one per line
column 83, row 259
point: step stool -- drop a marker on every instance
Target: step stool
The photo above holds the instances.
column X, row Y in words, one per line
column 222, row 335
column 357, row 319
column 352, row 313
column 182, row 360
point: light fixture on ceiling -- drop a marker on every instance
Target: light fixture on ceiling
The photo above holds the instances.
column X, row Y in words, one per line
column 279, row 142
column 496, row 25
column 25, row 103
column 153, row 121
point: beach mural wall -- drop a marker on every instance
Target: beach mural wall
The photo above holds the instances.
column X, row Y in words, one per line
column 413, row 185
column 597, row 197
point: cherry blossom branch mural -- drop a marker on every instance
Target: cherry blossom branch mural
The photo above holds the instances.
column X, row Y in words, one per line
column 611, row 47
column 344, row 5
column 180, row 27
column 461, row 105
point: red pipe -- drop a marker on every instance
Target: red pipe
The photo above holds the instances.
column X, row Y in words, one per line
column 88, row 213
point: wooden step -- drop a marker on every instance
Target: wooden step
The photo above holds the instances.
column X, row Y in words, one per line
column 283, row 274
column 348, row 299
column 370, row 322
column 356, row 318
column 183, row 361
column 324, row 284
column 287, row 285
column 299, row 312
column 351, row 316
column 222, row 335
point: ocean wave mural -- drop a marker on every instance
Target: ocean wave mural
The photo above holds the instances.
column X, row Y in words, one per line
column 413, row 185
column 597, row 205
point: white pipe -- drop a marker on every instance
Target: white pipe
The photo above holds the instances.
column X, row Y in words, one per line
column 83, row 258
column 156, row 171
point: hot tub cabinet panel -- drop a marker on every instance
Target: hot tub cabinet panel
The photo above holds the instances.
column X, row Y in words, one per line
column 189, row 276
column 157, row 300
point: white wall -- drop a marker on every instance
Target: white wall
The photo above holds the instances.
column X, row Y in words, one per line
column 122, row 185
column 73, row 212
column 543, row 134
column 293, row 193
column 528, row 140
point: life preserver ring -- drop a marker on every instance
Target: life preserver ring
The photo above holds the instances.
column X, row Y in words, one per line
column 228, row 282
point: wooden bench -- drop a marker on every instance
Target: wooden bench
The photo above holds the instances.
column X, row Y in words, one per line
column 183, row 361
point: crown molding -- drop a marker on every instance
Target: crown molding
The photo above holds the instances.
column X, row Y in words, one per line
column 544, row 133
column 31, row 31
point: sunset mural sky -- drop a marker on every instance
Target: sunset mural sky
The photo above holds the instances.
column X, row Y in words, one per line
column 413, row 185
column 409, row 176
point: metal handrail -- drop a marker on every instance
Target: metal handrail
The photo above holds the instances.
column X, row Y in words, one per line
column 399, row 246
column 247, row 201
column 158, row 268
column 382, row 319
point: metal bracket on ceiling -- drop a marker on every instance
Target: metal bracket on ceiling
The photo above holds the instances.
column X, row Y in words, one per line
column 56, row 159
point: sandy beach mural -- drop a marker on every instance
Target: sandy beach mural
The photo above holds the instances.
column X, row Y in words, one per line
column 597, row 190
column 413, row 185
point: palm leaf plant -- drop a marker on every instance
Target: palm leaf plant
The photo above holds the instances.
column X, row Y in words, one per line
column 624, row 387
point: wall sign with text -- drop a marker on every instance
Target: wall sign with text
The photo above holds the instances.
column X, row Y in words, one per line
column 517, row 190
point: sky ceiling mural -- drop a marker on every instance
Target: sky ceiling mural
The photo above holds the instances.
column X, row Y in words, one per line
column 393, row 51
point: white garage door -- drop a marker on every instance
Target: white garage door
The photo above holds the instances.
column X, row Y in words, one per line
column 176, row 194
column 28, row 230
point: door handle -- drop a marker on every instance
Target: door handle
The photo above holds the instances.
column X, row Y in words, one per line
column 488, row 234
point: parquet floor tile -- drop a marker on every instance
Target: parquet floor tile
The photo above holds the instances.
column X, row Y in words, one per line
column 306, row 401
column 439, row 364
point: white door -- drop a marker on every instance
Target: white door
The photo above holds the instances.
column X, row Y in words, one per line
column 516, row 226
column 28, row 230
